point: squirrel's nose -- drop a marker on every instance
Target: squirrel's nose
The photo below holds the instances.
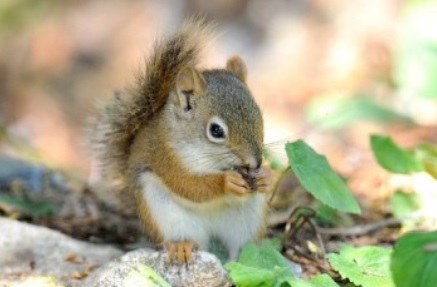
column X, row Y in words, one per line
column 259, row 161
column 250, row 160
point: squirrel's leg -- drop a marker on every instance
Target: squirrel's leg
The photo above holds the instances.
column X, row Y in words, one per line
column 180, row 251
column 237, row 226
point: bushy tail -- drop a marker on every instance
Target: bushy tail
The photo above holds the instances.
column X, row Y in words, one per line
column 121, row 119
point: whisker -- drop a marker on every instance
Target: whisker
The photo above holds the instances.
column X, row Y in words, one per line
column 278, row 146
column 210, row 155
column 215, row 166
column 305, row 132
column 217, row 161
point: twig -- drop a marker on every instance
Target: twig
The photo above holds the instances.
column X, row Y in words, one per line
column 296, row 220
column 318, row 236
column 361, row 229
column 278, row 182
column 320, row 264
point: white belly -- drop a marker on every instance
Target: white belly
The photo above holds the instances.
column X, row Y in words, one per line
column 234, row 220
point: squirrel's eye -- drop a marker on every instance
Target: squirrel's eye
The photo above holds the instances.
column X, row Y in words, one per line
column 216, row 131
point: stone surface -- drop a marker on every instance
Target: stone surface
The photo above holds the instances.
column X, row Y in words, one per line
column 28, row 250
column 32, row 181
column 205, row 270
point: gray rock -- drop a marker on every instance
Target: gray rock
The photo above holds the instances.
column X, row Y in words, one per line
column 30, row 175
column 205, row 270
column 37, row 182
column 29, row 250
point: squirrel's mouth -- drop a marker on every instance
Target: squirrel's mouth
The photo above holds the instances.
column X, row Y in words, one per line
column 249, row 174
column 234, row 167
column 238, row 168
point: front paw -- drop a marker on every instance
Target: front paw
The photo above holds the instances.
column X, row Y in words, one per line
column 235, row 183
column 259, row 180
column 263, row 179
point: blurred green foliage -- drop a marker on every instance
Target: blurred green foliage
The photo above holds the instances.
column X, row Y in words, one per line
column 25, row 206
column 402, row 204
column 427, row 154
column 390, row 156
column 18, row 14
column 338, row 113
column 416, row 58
column 274, row 161
column 393, row 158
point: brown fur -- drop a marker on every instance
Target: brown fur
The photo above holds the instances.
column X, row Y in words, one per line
column 196, row 188
column 119, row 121
column 135, row 131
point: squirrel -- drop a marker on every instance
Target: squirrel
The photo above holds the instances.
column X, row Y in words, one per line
column 186, row 145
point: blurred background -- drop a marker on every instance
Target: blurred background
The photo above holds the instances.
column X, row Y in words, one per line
column 329, row 72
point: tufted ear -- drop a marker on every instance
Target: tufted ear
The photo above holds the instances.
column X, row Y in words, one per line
column 189, row 82
column 237, row 66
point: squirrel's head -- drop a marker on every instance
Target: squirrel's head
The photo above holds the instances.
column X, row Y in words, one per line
column 215, row 123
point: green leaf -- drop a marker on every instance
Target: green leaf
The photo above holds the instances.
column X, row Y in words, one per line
column 260, row 265
column 264, row 255
column 145, row 276
column 403, row 204
column 318, row 281
column 27, row 207
column 274, row 242
column 427, row 154
column 316, row 175
column 414, row 260
column 337, row 113
column 366, row 266
column 392, row 157
column 246, row 276
column 334, row 217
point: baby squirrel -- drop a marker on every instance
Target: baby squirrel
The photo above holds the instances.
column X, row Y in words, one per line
column 186, row 145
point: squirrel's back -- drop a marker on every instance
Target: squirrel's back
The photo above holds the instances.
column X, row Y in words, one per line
column 119, row 120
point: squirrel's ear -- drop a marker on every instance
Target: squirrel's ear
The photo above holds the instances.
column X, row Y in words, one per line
column 188, row 82
column 237, row 66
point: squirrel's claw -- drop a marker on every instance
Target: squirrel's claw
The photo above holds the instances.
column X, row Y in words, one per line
column 235, row 183
column 263, row 180
column 180, row 251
